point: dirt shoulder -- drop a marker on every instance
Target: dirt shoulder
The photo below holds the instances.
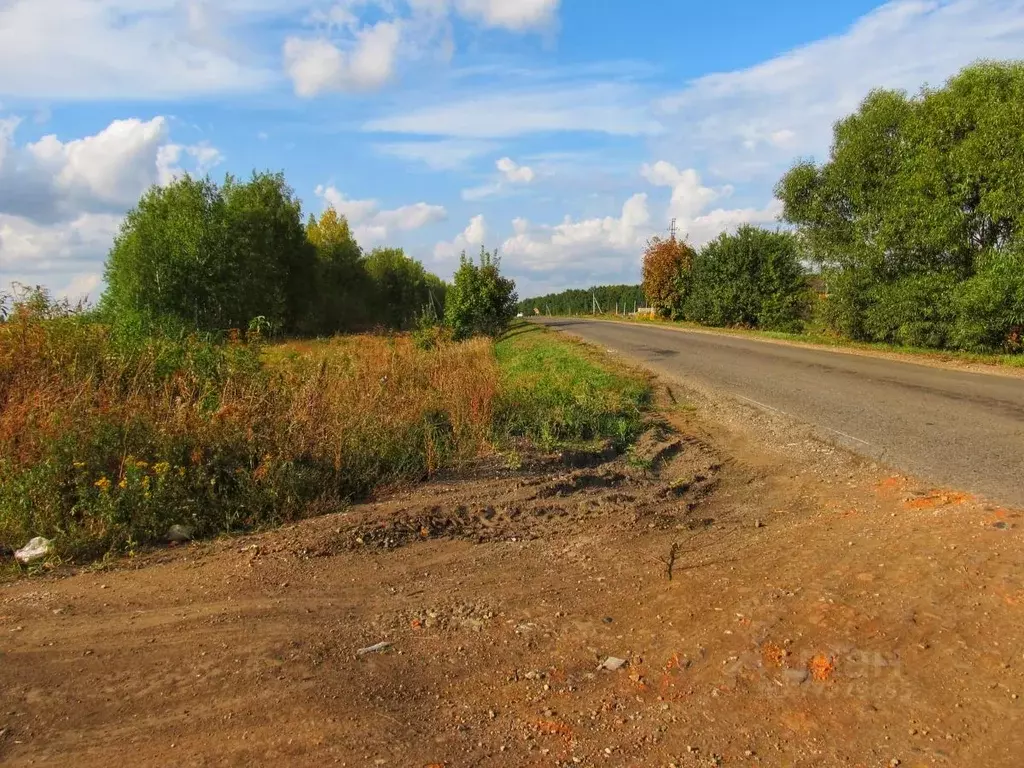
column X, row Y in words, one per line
column 820, row 612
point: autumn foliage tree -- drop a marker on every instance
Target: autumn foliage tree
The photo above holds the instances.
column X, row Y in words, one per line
column 666, row 268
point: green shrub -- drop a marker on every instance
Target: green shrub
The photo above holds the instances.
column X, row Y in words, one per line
column 990, row 306
column 916, row 311
column 752, row 279
column 481, row 301
column 844, row 307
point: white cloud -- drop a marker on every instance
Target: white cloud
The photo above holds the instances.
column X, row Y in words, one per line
column 354, row 55
column 516, row 15
column 691, row 199
column 748, row 123
column 30, row 247
column 370, row 225
column 613, row 108
column 689, row 195
column 61, row 202
column 513, row 172
column 576, row 243
column 51, row 180
column 441, row 155
column 510, row 173
column 596, row 250
column 121, row 49
column 318, row 66
column 472, row 237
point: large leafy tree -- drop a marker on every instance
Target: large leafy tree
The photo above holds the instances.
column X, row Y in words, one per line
column 213, row 257
column 666, row 269
column 343, row 287
column 921, row 202
column 481, row 301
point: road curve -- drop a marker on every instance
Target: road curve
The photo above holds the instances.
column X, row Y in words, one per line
column 955, row 428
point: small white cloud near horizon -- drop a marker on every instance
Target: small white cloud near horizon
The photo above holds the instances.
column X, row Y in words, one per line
column 546, row 248
column 691, row 199
column 513, row 172
column 473, row 236
column 510, row 174
column 370, row 224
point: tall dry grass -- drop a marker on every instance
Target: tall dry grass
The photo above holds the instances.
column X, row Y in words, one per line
column 108, row 438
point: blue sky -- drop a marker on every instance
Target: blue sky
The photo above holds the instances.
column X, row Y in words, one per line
column 563, row 132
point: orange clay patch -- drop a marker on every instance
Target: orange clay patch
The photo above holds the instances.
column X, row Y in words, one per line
column 890, row 484
column 554, row 728
column 822, row 667
column 772, row 654
column 935, row 500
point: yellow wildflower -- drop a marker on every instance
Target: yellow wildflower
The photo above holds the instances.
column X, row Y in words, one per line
column 79, row 465
column 141, row 465
column 145, row 483
column 123, row 484
column 103, row 484
column 181, row 471
column 162, row 468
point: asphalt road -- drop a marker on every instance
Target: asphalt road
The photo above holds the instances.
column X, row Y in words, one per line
column 959, row 429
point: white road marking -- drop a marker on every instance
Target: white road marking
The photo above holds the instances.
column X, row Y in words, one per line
column 784, row 413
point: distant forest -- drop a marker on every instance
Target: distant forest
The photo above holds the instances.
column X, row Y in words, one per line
column 624, row 298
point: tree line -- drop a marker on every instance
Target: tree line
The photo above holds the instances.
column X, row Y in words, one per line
column 606, row 298
column 214, row 257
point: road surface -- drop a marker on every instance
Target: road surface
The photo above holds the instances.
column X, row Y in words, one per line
column 955, row 428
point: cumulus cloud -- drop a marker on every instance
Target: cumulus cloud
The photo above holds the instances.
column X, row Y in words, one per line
column 691, row 199
column 50, row 179
column 513, row 172
column 594, row 250
column 472, row 237
column 371, row 225
column 548, row 248
column 61, row 202
column 318, row 66
column 746, row 124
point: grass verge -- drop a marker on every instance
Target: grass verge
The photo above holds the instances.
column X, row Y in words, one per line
column 556, row 391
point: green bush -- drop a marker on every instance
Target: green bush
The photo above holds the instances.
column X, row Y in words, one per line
column 753, row 279
column 844, row 307
column 990, row 306
column 916, row 311
column 481, row 302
